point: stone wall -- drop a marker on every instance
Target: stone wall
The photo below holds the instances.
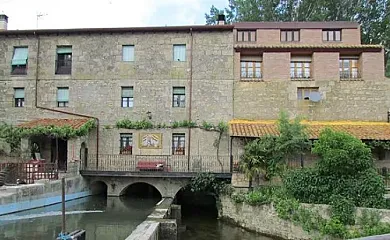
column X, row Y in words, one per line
column 264, row 218
column 39, row 194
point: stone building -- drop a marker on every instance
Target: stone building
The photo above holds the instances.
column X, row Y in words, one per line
column 319, row 70
column 173, row 77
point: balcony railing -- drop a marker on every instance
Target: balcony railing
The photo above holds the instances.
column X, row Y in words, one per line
column 19, row 70
column 63, row 66
column 347, row 75
column 178, row 151
column 168, row 163
column 28, row 172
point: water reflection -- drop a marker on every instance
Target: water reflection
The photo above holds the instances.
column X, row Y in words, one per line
column 103, row 218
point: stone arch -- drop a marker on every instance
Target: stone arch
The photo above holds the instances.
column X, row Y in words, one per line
column 135, row 183
column 98, row 187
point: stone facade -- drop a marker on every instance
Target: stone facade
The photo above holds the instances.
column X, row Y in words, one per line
column 98, row 73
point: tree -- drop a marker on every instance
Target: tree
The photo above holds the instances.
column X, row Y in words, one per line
column 373, row 15
column 266, row 155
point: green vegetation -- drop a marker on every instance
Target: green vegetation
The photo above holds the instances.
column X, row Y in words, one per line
column 146, row 124
column 373, row 16
column 207, row 183
column 13, row 134
column 344, row 168
column 268, row 155
column 344, row 177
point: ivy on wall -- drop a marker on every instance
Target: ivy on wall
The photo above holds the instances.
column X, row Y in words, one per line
column 13, row 134
column 146, row 124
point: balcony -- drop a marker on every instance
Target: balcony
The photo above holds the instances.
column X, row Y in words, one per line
column 347, row 75
column 19, row 70
column 300, row 76
column 178, row 151
column 128, row 150
column 64, row 67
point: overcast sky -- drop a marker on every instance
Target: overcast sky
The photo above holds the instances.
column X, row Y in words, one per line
column 105, row 13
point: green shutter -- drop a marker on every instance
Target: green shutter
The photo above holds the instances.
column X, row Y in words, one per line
column 63, row 94
column 19, row 92
column 63, row 50
column 20, row 56
column 127, row 92
column 179, row 90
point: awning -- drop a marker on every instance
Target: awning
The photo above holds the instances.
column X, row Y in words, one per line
column 20, row 56
column 54, row 122
column 361, row 130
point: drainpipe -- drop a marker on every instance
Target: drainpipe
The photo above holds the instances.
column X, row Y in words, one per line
column 59, row 111
column 231, row 154
column 190, row 100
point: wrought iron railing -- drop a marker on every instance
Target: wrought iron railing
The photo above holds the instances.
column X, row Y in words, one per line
column 347, row 75
column 63, row 66
column 28, row 172
column 167, row 163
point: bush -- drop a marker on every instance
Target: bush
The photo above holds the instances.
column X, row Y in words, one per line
column 257, row 198
column 345, row 168
column 334, row 228
column 286, row 208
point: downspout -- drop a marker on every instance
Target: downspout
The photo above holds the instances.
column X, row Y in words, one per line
column 231, row 154
column 190, row 99
column 59, row 111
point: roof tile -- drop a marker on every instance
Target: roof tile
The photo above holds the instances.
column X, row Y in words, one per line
column 361, row 130
column 45, row 122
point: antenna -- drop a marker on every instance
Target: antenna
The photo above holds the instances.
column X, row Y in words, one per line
column 40, row 15
column 315, row 96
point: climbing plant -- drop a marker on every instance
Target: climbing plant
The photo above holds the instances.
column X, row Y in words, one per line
column 13, row 134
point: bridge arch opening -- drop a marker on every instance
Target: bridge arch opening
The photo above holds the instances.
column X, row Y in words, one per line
column 142, row 190
column 99, row 188
column 200, row 204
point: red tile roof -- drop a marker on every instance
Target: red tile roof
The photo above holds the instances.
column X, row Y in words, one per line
column 361, row 130
column 45, row 122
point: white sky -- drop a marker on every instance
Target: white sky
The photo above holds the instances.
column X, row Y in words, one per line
column 105, row 13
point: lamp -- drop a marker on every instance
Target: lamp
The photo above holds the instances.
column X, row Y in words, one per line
column 149, row 115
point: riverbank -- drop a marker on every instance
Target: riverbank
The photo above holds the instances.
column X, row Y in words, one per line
column 264, row 219
column 42, row 193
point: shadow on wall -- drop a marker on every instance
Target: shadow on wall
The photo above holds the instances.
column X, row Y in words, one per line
column 196, row 204
column 141, row 191
column 99, row 188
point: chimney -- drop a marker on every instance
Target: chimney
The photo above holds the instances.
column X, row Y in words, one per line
column 3, row 22
column 221, row 19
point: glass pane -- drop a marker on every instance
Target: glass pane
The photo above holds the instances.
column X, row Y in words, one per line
column 243, row 64
column 124, row 102
column 354, row 63
column 250, row 64
column 257, row 64
column 62, row 94
column 128, row 53
column 292, row 72
column 64, row 50
column 354, row 73
column 131, row 102
column 307, row 73
column 307, row 65
column 337, row 35
column 340, row 63
column 292, row 64
column 289, row 36
column 127, row 92
column 243, row 72
column 330, row 35
column 306, row 93
column 299, row 73
column 296, row 35
column 346, row 64
column 19, row 93
column 175, row 100
column 179, row 53
column 258, row 73
column 179, row 90
column 299, row 64
column 299, row 94
column 250, row 72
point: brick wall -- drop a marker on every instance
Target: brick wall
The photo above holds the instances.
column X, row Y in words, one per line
column 276, row 66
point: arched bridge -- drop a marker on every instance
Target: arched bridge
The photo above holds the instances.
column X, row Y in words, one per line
column 165, row 173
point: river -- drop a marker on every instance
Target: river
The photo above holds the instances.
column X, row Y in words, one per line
column 109, row 218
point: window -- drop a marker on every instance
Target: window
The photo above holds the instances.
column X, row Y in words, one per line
column 331, row 35
column 178, row 143
column 251, row 69
column 179, row 97
column 179, row 53
column 127, row 97
column 128, row 53
column 246, row 36
column 289, row 35
column 19, row 61
column 349, row 68
column 303, row 93
column 126, row 143
column 62, row 97
column 64, row 60
column 19, row 97
column 300, row 70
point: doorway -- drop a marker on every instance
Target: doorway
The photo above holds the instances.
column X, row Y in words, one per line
column 62, row 153
column 84, row 155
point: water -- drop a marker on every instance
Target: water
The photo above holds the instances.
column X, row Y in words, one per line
column 103, row 218
column 110, row 218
